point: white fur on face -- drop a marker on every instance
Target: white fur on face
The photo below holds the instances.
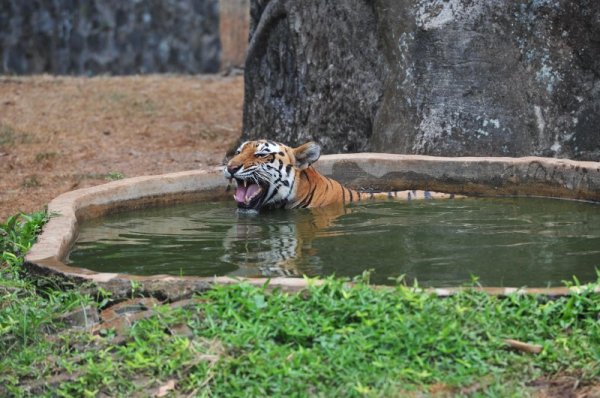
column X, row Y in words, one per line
column 280, row 175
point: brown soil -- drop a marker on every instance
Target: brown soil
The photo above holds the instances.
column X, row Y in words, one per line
column 63, row 133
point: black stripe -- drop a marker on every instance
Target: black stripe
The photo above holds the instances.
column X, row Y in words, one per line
column 351, row 196
column 305, row 197
column 312, row 193
column 343, row 194
column 288, row 168
column 275, row 190
column 290, row 191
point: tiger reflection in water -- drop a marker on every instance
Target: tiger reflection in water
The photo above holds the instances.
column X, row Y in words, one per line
column 282, row 246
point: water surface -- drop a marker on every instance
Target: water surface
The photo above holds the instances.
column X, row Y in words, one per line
column 505, row 242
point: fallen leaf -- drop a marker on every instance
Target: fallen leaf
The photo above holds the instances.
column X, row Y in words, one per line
column 164, row 389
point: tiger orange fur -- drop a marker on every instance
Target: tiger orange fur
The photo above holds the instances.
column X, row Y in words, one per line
column 273, row 175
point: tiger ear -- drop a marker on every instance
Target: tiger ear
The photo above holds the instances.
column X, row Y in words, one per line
column 307, row 154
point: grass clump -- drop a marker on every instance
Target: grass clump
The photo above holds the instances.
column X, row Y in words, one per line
column 17, row 235
column 11, row 136
column 333, row 339
column 45, row 156
column 114, row 176
column 27, row 314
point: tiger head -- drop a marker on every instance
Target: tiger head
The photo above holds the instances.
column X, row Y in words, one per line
column 266, row 171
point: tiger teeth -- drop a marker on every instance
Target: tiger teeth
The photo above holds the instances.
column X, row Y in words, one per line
column 247, row 200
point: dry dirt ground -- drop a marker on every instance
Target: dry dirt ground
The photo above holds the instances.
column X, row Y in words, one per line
column 62, row 133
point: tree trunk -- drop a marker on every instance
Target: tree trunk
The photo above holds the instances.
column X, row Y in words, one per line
column 438, row 77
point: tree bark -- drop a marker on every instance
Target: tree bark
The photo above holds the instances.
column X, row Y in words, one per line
column 313, row 72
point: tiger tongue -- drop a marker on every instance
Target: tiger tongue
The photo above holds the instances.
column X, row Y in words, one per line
column 245, row 194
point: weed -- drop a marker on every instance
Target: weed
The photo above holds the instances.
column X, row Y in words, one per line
column 135, row 288
column 44, row 156
column 11, row 136
column 31, row 182
column 18, row 232
column 114, row 176
column 7, row 135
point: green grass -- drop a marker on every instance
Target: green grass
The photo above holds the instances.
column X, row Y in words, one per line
column 330, row 340
column 114, row 176
column 17, row 235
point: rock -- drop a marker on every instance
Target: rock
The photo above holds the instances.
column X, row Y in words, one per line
column 435, row 77
column 128, row 308
column 80, row 318
column 181, row 330
column 120, row 317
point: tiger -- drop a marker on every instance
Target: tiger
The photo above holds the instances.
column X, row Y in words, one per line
column 271, row 175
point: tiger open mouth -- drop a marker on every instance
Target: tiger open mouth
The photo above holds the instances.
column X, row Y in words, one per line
column 248, row 194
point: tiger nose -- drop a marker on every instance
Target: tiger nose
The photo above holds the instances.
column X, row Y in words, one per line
column 232, row 168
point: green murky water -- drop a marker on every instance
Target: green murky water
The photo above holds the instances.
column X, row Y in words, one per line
column 505, row 242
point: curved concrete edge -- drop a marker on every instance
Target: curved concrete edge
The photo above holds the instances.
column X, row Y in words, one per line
column 531, row 176
column 69, row 208
column 487, row 176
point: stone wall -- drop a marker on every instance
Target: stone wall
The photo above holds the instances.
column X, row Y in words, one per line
column 438, row 77
column 109, row 36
